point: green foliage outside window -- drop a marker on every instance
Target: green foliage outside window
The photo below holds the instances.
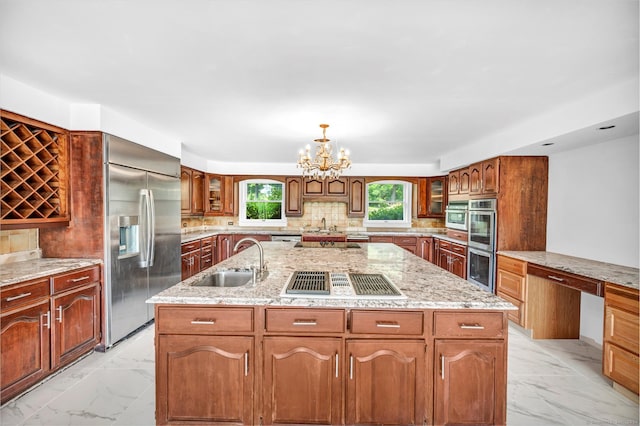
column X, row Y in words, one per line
column 264, row 201
column 385, row 201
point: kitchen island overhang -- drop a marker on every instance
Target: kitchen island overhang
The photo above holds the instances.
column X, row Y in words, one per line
column 249, row 339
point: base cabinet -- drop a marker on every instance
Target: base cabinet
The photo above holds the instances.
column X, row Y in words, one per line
column 289, row 399
column 204, row 379
column 469, row 383
column 386, row 382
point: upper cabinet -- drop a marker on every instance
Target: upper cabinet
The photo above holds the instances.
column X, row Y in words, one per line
column 483, row 177
column 346, row 189
column 325, row 187
column 293, row 194
column 192, row 191
column 356, row 197
column 459, row 182
column 34, row 160
column 432, row 196
column 218, row 193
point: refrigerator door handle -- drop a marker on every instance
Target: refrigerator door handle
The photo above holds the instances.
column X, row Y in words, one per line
column 145, row 238
column 151, row 212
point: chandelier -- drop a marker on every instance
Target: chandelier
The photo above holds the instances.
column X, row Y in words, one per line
column 323, row 164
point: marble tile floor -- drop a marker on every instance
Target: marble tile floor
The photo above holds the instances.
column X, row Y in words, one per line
column 550, row 382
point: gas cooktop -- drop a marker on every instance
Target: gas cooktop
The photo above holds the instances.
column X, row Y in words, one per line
column 340, row 285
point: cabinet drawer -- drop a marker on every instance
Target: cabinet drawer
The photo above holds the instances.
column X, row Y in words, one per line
column 206, row 242
column 305, row 320
column 621, row 366
column 23, row 293
column 576, row 282
column 206, row 250
column 405, row 241
column 468, row 324
column 510, row 264
column 203, row 320
column 75, row 279
column 515, row 316
column 457, row 248
column 621, row 328
column 206, row 262
column 622, row 297
column 187, row 247
column 380, row 239
column 393, row 322
column 511, row 284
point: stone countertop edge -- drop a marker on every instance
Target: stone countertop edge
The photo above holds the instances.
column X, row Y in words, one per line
column 426, row 286
column 196, row 235
column 26, row 270
column 625, row 276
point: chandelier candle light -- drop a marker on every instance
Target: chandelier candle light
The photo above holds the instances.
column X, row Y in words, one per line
column 323, row 164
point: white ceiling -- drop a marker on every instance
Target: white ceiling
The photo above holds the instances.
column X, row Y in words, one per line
column 403, row 82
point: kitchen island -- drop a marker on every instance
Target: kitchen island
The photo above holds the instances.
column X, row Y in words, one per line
column 254, row 355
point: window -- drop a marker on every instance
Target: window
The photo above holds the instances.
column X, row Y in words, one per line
column 262, row 203
column 388, row 204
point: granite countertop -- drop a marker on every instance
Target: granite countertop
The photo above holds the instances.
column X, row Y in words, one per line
column 11, row 273
column 416, row 232
column 608, row 272
column 425, row 285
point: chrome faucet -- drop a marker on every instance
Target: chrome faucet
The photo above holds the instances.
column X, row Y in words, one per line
column 261, row 266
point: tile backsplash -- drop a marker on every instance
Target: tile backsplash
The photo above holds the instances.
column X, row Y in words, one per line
column 18, row 240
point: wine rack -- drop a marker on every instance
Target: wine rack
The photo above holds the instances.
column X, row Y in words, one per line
column 34, row 160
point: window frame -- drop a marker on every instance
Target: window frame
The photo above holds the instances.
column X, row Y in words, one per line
column 242, row 205
column 407, row 188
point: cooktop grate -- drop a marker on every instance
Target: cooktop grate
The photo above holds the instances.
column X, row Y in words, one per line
column 373, row 285
column 309, row 282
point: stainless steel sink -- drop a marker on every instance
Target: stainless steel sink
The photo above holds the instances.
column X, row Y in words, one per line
column 226, row 278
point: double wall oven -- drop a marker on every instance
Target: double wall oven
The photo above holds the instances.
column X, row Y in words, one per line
column 481, row 250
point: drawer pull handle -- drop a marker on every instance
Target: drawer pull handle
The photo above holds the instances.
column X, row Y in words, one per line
column 203, row 322
column 246, row 363
column 387, row 324
column 553, row 277
column 75, row 280
column 48, row 315
column 337, row 363
column 350, row 367
column 471, row 326
column 305, row 322
column 20, row 296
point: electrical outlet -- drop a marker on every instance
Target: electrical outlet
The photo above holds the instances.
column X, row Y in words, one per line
column 229, row 223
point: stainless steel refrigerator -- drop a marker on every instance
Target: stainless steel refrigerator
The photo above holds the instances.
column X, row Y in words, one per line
column 142, row 215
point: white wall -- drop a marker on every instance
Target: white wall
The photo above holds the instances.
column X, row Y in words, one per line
column 593, row 212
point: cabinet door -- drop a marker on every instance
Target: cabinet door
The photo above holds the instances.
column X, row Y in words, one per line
column 228, row 198
column 197, row 192
column 336, row 187
column 436, row 197
column 454, row 182
column 302, row 380
column 293, row 194
column 422, row 197
column 458, row 265
column 470, row 382
column 312, row 187
column 356, row 197
column 204, row 379
column 465, row 182
column 490, row 176
column 214, row 194
column 24, row 339
column 225, row 245
column 185, row 190
column 386, row 382
column 425, row 248
column 475, row 179
column 76, row 324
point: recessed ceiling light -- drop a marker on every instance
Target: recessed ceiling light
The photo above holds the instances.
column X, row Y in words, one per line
column 547, row 144
column 606, row 127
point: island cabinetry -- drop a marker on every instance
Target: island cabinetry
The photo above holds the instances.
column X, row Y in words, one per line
column 452, row 257
column 190, row 258
column 511, row 285
column 621, row 331
column 469, row 368
column 24, row 336
column 432, row 196
column 192, row 191
column 204, row 365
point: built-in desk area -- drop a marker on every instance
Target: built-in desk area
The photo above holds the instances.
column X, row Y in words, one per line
column 546, row 287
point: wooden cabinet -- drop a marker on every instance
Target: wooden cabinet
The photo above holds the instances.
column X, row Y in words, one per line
column 452, row 257
column 204, row 379
column 621, row 331
column 483, row 177
column 35, row 173
column 469, row 368
column 511, row 285
column 190, row 258
column 208, row 252
column 386, row 382
column 425, row 248
column 218, row 195
column 302, row 380
column 24, row 336
column 357, row 188
column 225, row 246
column 293, row 206
column 46, row 324
column 432, row 197
column 458, row 183
column 192, row 191
column 326, row 188
column 406, row 242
